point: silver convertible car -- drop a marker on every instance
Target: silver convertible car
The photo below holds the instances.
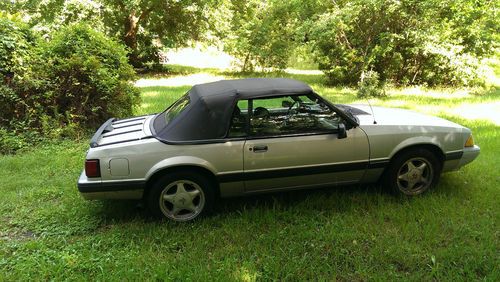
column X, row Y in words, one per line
column 246, row 136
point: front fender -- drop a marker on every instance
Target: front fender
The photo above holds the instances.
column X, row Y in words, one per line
column 417, row 140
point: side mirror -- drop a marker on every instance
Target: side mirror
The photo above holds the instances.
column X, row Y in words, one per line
column 286, row 104
column 341, row 132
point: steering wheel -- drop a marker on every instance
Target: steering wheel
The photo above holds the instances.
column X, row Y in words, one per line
column 289, row 113
column 261, row 112
column 290, row 110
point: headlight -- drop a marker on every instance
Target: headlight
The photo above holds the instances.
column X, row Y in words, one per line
column 469, row 142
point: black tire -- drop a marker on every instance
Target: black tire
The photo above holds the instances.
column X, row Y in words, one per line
column 413, row 172
column 167, row 199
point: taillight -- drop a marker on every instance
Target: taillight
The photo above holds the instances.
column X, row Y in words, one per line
column 92, row 168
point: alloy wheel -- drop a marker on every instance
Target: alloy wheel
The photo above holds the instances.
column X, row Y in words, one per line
column 415, row 176
column 182, row 200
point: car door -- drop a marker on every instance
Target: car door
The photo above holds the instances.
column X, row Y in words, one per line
column 293, row 143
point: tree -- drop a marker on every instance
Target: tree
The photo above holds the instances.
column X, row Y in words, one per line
column 406, row 42
column 142, row 25
column 264, row 33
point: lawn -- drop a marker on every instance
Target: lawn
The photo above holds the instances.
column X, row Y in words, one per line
column 47, row 231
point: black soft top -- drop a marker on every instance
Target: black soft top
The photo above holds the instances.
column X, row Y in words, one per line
column 250, row 88
column 211, row 105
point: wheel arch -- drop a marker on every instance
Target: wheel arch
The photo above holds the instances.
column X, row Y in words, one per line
column 194, row 168
column 412, row 143
column 432, row 147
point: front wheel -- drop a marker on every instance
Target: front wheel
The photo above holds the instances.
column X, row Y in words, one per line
column 413, row 172
column 181, row 196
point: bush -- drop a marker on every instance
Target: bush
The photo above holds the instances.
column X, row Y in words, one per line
column 62, row 87
column 405, row 42
column 370, row 86
column 88, row 77
column 15, row 47
column 261, row 35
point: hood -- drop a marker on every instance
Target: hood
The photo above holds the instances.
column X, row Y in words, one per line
column 394, row 116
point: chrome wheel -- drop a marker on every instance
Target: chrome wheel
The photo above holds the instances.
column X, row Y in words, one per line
column 415, row 176
column 182, row 200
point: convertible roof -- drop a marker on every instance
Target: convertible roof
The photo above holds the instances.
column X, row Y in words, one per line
column 211, row 105
column 251, row 87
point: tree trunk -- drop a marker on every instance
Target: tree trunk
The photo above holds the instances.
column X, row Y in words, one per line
column 130, row 38
column 245, row 64
column 131, row 26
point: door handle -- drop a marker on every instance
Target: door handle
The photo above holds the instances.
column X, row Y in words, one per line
column 259, row 148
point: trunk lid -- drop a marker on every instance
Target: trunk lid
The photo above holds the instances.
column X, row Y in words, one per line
column 115, row 131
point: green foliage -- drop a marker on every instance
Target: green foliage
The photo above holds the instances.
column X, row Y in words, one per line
column 144, row 26
column 51, row 15
column 12, row 141
column 259, row 35
column 265, row 34
column 370, row 85
column 301, row 58
column 15, row 46
column 88, row 77
column 406, row 42
column 16, row 55
column 61, row 87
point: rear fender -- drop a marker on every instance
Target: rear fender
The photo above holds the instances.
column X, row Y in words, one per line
column 180, row 161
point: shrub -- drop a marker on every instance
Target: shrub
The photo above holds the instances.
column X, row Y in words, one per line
column 405, row 42
column 15, row 47
column 370, row 86
column 88, row 77
column 62, row 87
column 16, row 53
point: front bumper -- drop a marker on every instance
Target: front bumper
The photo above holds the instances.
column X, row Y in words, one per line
column 116, row 189
column 457, row 159
column 470, row 154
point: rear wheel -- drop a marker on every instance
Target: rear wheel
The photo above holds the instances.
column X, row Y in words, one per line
column 413, row 172
column 181, row 196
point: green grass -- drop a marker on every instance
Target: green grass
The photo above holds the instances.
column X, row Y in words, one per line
column 347, row 233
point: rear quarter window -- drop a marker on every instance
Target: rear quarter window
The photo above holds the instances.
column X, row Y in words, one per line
column 172, row 112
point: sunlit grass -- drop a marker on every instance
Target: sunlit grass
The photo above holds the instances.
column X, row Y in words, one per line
column 157, row 98
column 179, row 80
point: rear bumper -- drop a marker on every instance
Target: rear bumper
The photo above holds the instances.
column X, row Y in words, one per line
column 97, row 189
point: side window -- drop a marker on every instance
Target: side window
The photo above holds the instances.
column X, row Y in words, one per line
column 285, row 115
column 238, row 120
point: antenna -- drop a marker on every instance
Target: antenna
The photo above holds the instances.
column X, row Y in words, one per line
column 373, row 114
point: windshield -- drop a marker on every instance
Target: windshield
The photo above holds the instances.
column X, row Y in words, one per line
column 176, row 108
column 344, row 112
